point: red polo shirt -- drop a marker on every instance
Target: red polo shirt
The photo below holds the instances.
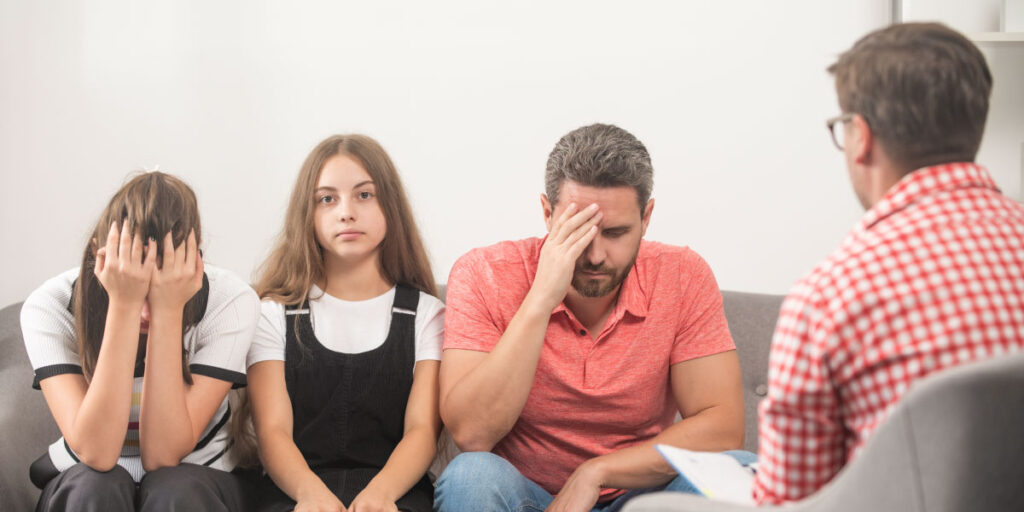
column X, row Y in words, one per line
column 590, row 397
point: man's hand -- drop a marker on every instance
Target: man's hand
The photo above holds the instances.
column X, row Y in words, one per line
column 179, row 277
column 570, row 235
column 580, row 492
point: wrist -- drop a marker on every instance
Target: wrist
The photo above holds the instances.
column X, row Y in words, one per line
column 538, row 304
column 310, row 488
column 380, row 488
column 594, row 471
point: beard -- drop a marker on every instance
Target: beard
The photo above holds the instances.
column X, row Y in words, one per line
column 590, row 287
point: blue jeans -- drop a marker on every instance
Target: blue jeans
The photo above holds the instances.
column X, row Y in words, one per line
column 484, row 482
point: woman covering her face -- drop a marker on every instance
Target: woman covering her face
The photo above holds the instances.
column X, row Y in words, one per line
column 135, row 352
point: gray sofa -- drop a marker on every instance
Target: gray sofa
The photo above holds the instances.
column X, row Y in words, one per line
column 28, row 427
column 954, row 443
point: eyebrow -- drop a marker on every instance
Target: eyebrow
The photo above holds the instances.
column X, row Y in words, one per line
column 624, row 227
column 332, row 189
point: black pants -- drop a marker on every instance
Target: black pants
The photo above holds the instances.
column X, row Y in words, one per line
column 186, row 487
column 345, row 484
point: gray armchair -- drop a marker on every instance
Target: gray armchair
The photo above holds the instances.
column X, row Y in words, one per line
column 955, row 443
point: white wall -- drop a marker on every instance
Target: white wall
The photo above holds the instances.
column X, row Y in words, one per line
column 467, row 96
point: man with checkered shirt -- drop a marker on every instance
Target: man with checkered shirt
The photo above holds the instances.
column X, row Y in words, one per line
column 931, row 277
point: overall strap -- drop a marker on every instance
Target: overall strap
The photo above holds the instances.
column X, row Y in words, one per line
column 407, row 299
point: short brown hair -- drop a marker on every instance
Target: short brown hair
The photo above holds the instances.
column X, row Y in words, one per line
column 600, row 155
column 923, row 88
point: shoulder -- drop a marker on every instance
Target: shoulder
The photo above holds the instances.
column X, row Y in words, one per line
column 499, row 262
column 659, row 261
column 229, row 293
column 507, row 253
column 271, row 309
column 54, row 295
column 428, row 304
column 226, row 286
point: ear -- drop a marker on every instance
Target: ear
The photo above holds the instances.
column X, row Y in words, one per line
column 548, row 210
column 645, row 219
column 861, row 140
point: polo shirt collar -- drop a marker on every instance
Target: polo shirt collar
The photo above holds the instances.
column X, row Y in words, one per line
column 924, row 182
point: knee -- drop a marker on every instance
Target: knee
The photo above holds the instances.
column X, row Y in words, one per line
column 484, row 481
column 168, row 486
column 117, row 479
column 479, row 469
column 83, row 488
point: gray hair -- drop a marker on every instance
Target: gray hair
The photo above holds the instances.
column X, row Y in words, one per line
column 600, row 155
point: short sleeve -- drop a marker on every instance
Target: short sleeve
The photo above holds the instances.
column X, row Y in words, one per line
column 469, row 324
column 223, row 336
column 269, row 341
column 48, row 329
column 703, row 329
column 429, row 328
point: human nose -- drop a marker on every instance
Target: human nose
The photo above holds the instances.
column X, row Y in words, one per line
column 345, row 211
column 145, row 311
column 594, row 254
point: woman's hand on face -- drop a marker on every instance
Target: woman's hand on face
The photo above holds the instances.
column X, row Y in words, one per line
column 122, row 269
column 178, row 278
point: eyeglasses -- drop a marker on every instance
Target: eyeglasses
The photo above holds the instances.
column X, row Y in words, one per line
column 840, row 123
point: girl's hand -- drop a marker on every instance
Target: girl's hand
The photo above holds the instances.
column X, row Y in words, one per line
column 121, row 268
column 179, row 278
column 320, row 501
column 370, row 500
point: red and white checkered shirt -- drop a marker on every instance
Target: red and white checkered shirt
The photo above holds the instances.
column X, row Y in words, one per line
column 932, row 277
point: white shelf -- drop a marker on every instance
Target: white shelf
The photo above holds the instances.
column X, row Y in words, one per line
column 997, row 37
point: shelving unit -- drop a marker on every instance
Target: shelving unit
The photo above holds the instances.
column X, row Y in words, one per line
column 997, row 37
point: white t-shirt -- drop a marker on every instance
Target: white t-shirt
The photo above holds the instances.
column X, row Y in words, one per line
column 216, row 347
column 349, row 327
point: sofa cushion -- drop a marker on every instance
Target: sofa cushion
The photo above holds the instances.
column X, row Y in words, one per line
column 25, row 419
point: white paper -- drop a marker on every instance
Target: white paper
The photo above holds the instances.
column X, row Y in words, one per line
column 716, row 475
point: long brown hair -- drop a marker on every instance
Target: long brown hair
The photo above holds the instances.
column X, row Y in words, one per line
column 152, row 204
column 297, row 262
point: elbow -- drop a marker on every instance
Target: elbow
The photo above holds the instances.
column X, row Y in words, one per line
column 154, row 462
column 96, row 459
column 737, row 439
column 101, row 464
column 472, row 440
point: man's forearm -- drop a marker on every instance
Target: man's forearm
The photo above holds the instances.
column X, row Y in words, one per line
column 484, row 402
column 713, row 429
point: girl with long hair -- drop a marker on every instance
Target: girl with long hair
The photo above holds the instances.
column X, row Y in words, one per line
column 135, row 352
column 343, row 368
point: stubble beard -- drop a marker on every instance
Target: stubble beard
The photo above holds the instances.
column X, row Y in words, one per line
column 593, row 288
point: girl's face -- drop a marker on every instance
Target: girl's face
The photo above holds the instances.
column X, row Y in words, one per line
column 349, row 221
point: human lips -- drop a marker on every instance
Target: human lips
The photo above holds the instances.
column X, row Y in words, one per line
column 349, row 234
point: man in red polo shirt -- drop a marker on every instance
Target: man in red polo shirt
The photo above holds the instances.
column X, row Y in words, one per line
column 567, row 357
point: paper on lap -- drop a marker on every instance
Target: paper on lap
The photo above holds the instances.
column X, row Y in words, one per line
column 715, row 475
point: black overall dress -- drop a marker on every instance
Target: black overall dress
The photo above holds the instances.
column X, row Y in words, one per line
column 348, row 410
